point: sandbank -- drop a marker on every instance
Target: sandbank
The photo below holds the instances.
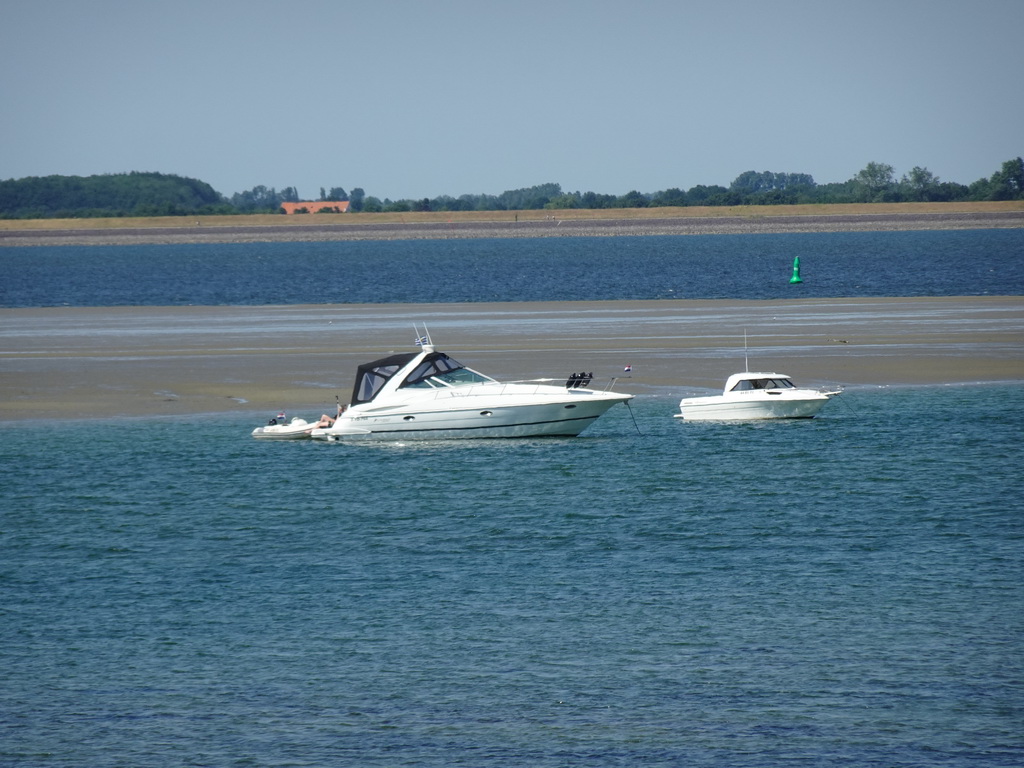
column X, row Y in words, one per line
column 436, row 225
column 153, row 361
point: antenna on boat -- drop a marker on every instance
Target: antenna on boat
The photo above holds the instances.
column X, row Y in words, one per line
column 746, row 362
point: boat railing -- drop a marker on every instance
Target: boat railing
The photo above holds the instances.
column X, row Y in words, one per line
column 487, row 387
column 549, row 381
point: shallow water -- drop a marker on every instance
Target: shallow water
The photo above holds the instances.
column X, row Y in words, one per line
column 842, row 591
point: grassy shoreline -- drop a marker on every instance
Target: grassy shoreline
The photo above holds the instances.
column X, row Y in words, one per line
column 543, row 223
column 426, row 217
column 427, row 225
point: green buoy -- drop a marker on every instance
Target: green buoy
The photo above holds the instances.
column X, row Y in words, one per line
column 796, row 271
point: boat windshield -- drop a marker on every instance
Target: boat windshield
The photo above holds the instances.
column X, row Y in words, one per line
column 440, row 370
column 745, row 385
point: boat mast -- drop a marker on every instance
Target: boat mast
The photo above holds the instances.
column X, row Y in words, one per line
column 422, row 340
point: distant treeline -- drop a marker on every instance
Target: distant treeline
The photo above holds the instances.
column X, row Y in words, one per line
column 122, row 194
column 158, row 194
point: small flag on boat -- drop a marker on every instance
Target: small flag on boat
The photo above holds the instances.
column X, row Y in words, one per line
column 281, row 415
column 628, row 368
column 421, row 341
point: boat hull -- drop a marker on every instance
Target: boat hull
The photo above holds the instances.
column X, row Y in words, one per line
column 759, row 406
column 481, row 419
column 295, row 430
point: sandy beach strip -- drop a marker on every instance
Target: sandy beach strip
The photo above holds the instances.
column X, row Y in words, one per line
column 152, row 361
column 877, row 217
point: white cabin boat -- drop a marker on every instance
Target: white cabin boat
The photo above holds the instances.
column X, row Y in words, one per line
column 751, row 395
column 427, row 394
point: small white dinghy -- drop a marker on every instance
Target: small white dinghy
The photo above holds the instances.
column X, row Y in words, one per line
column 281, row 429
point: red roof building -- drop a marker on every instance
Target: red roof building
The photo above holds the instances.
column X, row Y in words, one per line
column 328, row 206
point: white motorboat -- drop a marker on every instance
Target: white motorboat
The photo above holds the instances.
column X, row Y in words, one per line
column 281, row 429
column 750, row 395
column 427, row 394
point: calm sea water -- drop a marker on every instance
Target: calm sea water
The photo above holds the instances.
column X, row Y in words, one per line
column 846, row 591
column 967, row 263
column 843, row 591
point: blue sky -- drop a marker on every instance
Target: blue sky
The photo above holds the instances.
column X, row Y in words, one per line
column 419, row 99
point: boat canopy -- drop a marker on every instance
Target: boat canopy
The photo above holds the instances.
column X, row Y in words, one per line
column 371, row 377
column 436, row 368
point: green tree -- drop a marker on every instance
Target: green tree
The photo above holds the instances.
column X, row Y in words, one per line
column 632, row 199
column 669, row 197
column 875, row 180
column 529, row 198
column 707, row 195
column 593, row 200
column 121, row 194
column 564, row 202
column 920, row 185
column 767, row 188
column 752, row 182
column 1008, row 182
column 256, row 200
